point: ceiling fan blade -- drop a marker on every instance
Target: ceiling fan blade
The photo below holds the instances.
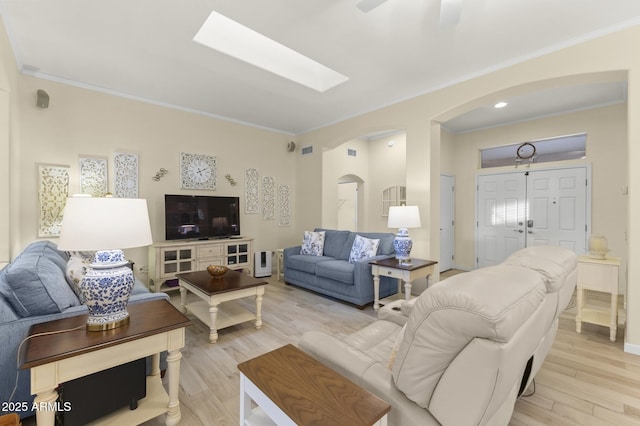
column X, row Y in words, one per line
column 368, row 5
column 450, row 12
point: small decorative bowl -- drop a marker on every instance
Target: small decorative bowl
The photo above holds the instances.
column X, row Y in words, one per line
column 217, row 271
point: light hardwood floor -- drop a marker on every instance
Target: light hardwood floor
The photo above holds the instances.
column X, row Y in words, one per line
column 585, row 380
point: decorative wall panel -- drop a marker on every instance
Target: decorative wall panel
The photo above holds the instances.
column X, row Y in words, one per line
column 268, row 198
column 126, row 175
column 53, row 190
column 251, row 200
column 93, row 176
column 284, row 202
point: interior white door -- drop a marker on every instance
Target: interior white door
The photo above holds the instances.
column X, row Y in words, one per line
column 521, row 209
column 447, row 222
column 500, row 217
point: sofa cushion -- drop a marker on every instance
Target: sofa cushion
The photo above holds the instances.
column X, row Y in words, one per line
column 313, row 243
column 36, row 285
column 363, row 248
column 334, row 241
column 49, row 250
column 305, row 263
column 337, row 270
column 6, row 311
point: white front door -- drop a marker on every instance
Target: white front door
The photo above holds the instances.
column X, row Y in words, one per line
column 447, row 210
column 500, row 217
column 521, row 209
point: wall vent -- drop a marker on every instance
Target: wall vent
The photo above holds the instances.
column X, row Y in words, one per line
column 351, row 152
column 307, row 150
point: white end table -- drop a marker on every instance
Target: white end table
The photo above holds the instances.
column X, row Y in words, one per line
column 598, row 275
column 406, row 273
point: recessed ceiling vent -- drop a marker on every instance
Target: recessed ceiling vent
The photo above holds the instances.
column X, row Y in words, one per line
column 307, row 150
column 351, row 152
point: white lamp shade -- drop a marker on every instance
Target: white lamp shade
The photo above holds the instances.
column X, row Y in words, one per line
column 404, row 217
column 90, row 224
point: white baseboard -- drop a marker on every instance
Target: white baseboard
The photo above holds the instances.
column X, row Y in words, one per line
column 632, row 349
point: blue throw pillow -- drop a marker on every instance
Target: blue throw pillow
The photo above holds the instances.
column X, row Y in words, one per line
column 37, row 286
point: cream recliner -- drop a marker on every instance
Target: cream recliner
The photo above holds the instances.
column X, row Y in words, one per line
column 470, row 345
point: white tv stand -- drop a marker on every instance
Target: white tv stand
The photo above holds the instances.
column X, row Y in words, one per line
column 168, row 258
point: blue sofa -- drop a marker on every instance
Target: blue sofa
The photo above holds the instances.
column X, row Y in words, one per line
column 34, row 289
column 333, row 275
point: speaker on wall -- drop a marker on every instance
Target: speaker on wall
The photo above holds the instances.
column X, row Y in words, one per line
column 291, row 146
column 42, row 99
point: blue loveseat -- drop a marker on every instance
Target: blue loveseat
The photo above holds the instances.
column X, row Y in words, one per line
column 34, row 289
column 333, row 275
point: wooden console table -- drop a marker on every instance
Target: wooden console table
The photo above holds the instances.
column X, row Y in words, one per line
column 57, row 358
column 293, row 388
column 407, row 273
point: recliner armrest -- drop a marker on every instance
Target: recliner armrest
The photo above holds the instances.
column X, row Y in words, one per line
column 337, row 355
column 367, row 373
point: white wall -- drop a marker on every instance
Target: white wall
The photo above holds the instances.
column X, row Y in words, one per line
column 83, row 122
column 377, row 164
column 606, row 130
column 606, row 58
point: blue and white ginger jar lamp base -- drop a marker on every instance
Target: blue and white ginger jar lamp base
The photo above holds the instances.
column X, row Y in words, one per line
column 402, row 244
column 106, row 288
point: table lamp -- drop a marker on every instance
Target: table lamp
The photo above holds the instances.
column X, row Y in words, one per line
column 105, row 225
column 403, row 217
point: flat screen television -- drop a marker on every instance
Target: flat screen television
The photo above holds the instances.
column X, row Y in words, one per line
column 201, row 217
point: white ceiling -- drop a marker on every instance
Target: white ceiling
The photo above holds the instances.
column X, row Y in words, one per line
column 143, row 49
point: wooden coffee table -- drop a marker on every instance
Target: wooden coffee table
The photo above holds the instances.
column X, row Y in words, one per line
column 232, row 285
column 292, row 388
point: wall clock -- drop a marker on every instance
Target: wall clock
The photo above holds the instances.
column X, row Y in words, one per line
column 197, row 171
column 526, row 151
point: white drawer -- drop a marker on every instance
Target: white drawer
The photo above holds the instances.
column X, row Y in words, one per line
column 210, row 251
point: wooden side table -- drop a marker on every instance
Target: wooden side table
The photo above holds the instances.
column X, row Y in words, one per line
column 70, row 351
column 292, row 388
column 405, row 273
column 598, row 275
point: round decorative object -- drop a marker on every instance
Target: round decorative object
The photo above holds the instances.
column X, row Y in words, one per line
column 526, row 151
column 217, row 271
column 598, row 247
column 197, row 171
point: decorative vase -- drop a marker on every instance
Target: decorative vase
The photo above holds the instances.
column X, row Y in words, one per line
column 217, row 271
column 106, row 288
column 402, row 245
column 598, row 247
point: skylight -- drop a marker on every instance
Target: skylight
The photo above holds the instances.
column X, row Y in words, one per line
column 229, row 37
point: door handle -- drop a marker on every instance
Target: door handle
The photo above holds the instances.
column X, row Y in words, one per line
column 530, row 232
column 518, row 230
